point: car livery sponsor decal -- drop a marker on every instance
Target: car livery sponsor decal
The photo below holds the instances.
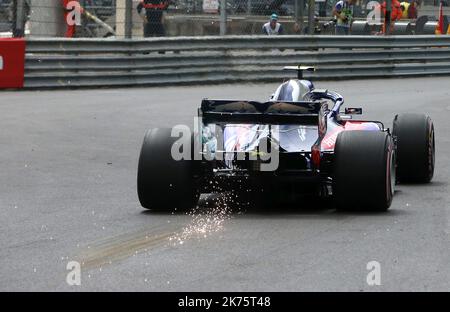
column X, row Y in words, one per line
column 329, row 141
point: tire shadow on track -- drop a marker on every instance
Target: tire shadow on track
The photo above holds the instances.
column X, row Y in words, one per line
column 432, row 184
column 209, row 204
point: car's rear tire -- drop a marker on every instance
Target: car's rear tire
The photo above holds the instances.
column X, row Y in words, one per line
column 414, row 134
column 364, row 171
column 162, row 182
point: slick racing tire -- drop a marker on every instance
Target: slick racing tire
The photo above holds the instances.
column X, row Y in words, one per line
column 364, row 171
column 162, row 182
column 414, row 135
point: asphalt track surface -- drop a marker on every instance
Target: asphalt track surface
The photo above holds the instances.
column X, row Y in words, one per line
column 68, row 165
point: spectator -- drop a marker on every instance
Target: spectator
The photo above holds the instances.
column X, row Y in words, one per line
column 343, row 12
column 396, row 14
column 272, row 27
column 409, row 9
column 153, row 17
column 405, row 8
column 18, row 30
column 412, row 10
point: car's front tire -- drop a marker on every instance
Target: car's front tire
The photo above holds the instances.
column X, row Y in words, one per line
column 163, row 182
column 414, row 135
column 364, row 171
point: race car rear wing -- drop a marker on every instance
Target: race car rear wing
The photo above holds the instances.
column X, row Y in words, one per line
column 232, row 111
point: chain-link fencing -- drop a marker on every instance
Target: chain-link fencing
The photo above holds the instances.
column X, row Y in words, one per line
column 14, row 18
column 5, row 17
column 149, row 18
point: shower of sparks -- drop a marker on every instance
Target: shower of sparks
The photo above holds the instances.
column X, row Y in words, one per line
column 209, row 219
column 202, row 225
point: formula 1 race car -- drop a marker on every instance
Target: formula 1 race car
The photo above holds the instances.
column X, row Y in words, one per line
column 297, row 144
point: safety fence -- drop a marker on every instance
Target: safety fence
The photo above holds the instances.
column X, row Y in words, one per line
column 123, row 18
column 68, row 63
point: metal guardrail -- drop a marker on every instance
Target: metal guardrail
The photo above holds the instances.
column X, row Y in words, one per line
column 53, row 63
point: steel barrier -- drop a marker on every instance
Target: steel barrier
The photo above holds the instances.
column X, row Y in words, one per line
column 68, row 63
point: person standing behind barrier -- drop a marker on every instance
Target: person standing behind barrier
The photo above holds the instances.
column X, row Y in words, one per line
column 409, row 10
column 396, row 14
column 343, row 12
column 273, row 28
column 405, row 7
column 18, row 30
column 154, row 17
column 412, row 10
